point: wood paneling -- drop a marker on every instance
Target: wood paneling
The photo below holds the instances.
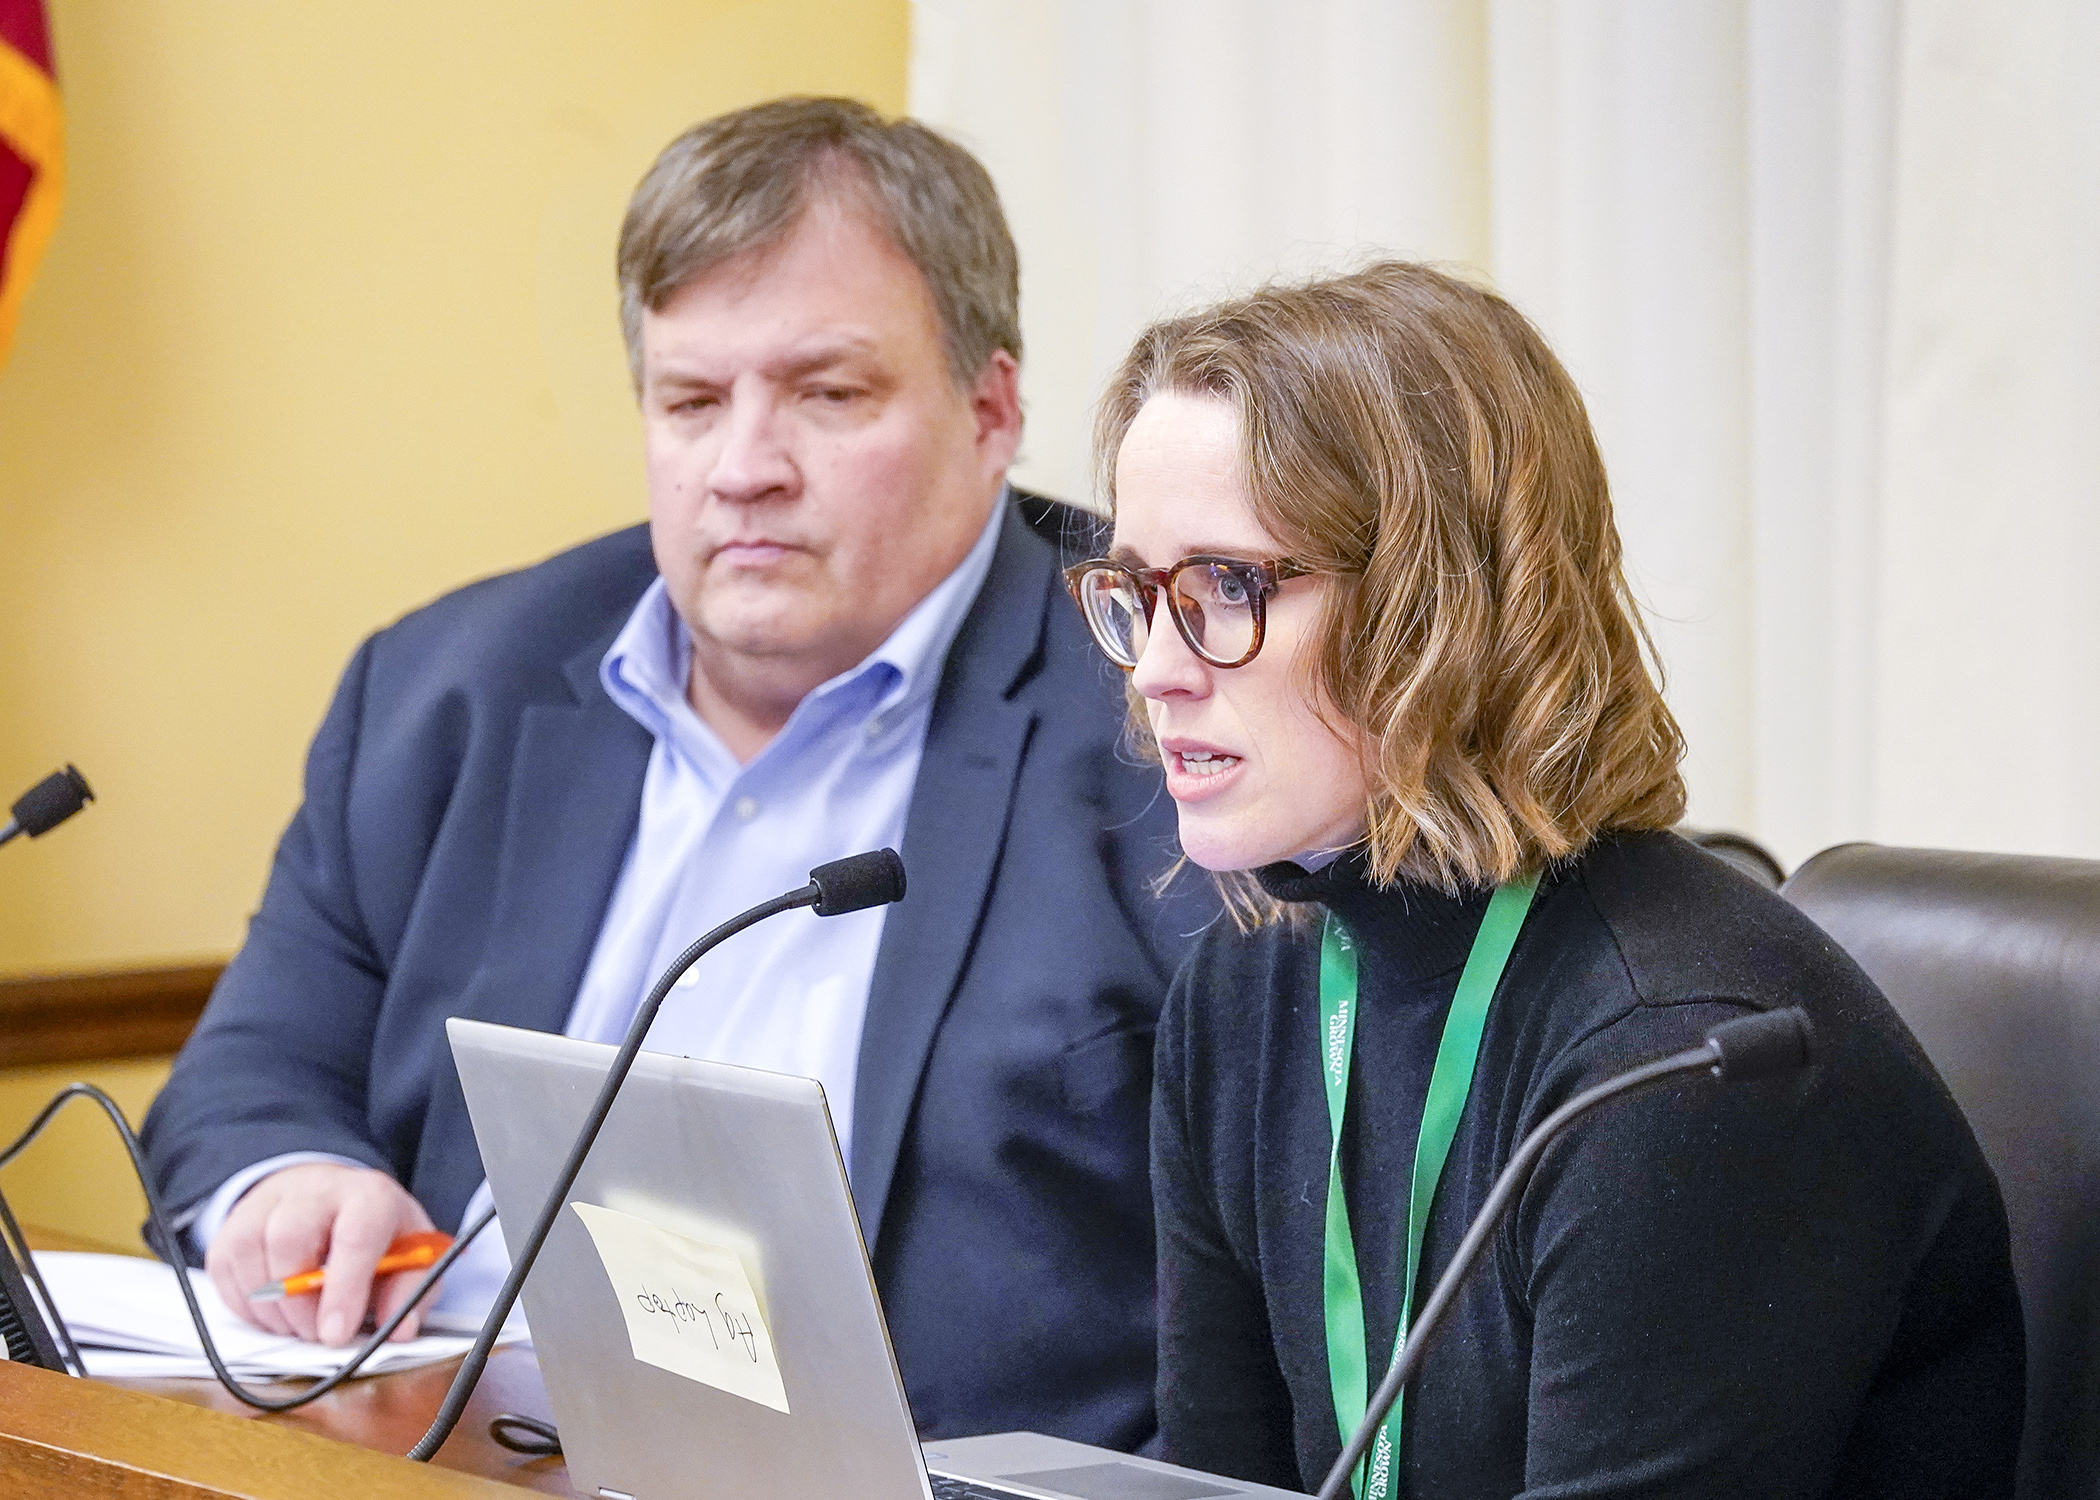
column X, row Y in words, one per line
column 73, row 1018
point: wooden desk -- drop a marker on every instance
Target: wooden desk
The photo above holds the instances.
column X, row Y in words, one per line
column 68, row 1439
column 390, row 1412
column 385, row 1414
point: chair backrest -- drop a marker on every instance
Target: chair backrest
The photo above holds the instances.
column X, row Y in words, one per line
column 1994, row 962
column 1739, row 850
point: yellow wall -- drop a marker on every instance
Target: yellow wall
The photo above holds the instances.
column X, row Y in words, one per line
column 327, row 327
column 75, row 1176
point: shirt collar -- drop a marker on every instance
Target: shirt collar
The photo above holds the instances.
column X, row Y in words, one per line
column 644, row 670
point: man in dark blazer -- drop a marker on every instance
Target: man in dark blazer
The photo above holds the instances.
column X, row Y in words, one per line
column 829, row 397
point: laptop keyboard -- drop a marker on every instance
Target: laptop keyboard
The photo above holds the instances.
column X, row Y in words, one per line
column 948, row 1487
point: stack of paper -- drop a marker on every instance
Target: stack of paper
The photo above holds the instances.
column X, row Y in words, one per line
column 128, row 1317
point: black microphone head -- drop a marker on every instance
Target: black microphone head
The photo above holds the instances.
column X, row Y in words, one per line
column 1762, row 1046
column 862, row 880
column 51, row 801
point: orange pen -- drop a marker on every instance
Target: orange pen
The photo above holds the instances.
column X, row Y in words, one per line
column 411, row 1252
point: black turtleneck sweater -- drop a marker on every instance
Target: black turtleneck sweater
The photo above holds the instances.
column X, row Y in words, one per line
column 1797, row 1287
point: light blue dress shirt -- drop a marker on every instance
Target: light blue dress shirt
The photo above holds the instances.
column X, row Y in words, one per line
column 714, row 838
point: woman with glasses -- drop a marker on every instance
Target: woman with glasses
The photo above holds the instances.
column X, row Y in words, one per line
column 1368, row 589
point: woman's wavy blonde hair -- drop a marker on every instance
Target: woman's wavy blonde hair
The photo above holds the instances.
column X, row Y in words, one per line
column 1413, row 436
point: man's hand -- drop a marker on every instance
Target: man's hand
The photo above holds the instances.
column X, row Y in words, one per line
column 317, row 1214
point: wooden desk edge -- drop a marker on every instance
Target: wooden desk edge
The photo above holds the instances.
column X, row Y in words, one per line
column 62, row 1437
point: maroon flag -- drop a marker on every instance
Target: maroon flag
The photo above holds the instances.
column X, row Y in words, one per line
column 32, row 154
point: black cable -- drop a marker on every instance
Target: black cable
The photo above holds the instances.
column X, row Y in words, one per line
column 540, row 1440
column 170, row 1249
column 529, row 1247
column 862, row 880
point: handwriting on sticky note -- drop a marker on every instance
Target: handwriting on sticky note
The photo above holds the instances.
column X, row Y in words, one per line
column 689, row 1306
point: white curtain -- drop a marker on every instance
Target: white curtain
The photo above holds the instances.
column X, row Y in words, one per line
column 1157, row 153
column 1827, row 270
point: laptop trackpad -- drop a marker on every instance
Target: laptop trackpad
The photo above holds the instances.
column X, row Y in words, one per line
column 1114, row 1481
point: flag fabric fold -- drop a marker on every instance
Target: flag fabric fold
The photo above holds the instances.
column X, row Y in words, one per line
column 32, row 154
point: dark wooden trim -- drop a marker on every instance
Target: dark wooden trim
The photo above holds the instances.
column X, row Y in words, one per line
column 72, row 1018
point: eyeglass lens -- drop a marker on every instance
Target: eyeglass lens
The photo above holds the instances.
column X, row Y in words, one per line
column 1213, row 603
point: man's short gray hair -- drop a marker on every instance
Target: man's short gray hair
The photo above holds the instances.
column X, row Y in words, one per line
column 742, row 181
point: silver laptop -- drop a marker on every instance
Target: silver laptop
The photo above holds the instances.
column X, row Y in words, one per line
column 703, row 1309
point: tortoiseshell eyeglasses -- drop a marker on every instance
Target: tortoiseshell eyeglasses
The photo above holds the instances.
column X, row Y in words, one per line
column 1219, row 604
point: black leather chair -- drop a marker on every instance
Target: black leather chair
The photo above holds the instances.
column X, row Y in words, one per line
column 1994, row 961
column 1740, row 851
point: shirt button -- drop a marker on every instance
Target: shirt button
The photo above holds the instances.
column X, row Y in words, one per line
column 746, row 809
column 874, row 728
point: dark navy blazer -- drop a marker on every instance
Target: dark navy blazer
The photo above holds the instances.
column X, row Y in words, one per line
column 468, row 801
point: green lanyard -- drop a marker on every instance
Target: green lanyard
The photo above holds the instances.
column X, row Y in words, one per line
column 1450, row 1081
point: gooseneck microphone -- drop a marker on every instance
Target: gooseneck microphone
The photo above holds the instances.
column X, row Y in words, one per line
column 872, row 879
column 845, row 885
column 1760, row 1046
column 47, row 804
column 28, row 1317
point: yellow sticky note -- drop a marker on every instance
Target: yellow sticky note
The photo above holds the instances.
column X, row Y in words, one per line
column 689, row 1306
